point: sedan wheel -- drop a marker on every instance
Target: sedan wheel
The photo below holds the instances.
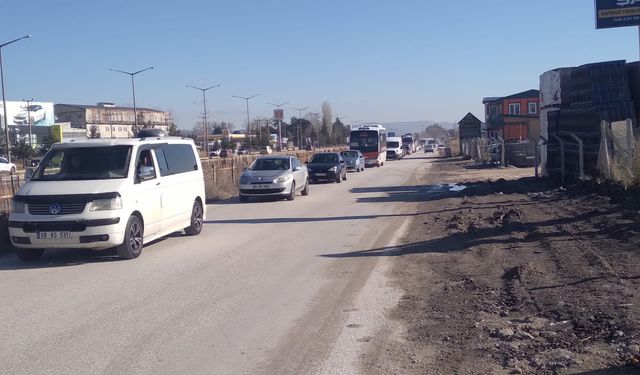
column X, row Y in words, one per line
column 292, row 193
column 305, row 191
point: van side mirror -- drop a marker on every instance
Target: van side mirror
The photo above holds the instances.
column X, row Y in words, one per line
column 146, row 173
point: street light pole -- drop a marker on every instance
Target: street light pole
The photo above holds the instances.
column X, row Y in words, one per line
column 247, row 98
column 279, row 125
column 4, row 102
column 204, row 122
column 300, row 124
column 133, row 90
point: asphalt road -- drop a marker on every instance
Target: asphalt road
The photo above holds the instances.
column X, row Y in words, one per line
column 263, row 289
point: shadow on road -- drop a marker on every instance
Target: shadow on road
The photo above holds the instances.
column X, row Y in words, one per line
column 58, row 258
column 426, row 193
column 289, row 220
column 511, row 234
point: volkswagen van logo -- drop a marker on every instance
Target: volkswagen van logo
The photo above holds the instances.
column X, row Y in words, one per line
column 55, row 208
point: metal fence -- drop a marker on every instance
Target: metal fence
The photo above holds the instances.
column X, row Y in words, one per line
column 609, row 153
column 497, row 151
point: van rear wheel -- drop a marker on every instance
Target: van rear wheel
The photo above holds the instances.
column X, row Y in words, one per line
column 197, row 215
column 29, row 255
column 131, row 247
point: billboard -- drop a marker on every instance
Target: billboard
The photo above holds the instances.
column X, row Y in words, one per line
column 21, row 113
column 617, row 13
column 278, row 114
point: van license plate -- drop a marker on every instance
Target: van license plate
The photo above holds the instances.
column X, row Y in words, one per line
column 260, row 186
column 58, row 235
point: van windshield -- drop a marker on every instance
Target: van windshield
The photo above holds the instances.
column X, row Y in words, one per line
column 84, row 163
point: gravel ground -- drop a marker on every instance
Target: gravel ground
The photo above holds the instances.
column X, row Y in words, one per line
column 506, row 274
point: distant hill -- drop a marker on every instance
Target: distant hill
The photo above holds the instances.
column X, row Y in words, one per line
column 405, row 127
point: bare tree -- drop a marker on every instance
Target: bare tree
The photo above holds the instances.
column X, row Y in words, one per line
column 327, row 117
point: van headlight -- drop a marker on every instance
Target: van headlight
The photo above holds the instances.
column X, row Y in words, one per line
column 106, row 204
column 284, row 178
column 333, row 169
column 245, row 180
column 17, row 207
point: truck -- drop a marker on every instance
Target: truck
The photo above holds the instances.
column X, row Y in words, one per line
column 409, row 141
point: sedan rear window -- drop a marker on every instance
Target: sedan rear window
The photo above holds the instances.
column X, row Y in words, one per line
column 350, row 154
column 324, row 158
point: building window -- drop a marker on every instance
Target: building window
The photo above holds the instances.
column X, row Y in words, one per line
column 514, row 108
column 533, row 108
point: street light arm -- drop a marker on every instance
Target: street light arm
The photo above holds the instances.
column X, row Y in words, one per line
column 15, row 40
column 142, row 70
column 121, row 71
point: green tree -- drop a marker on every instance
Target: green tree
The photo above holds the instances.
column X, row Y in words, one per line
column 173, row 129
column 45, row 144
column 94, row 132
column 22, row 150
column 3, row 144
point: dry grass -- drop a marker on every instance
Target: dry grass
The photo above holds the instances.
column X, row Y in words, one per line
column 454, row 144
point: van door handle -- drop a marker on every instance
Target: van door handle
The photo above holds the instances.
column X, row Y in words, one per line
column 157, row 184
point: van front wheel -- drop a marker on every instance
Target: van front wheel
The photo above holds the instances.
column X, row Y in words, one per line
column 131, row 247
column 196, row 220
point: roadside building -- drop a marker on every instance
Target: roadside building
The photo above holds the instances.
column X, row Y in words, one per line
column 470, row 127
column 514, row 117
column 105, row 120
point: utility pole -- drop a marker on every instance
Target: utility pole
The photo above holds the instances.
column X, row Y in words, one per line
column 300, row 124
column 247, row 98
column 279, row 125
column 205, row 133
column 28, row 101
column 4, row 102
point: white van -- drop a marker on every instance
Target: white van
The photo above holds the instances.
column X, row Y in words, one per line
column 394, row 148
column 104, row 193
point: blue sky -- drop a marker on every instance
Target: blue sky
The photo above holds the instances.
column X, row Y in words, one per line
column 383, row 61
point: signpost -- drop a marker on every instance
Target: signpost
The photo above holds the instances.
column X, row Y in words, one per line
column 617, row 13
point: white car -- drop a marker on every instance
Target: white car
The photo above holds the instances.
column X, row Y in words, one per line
column 280, row 176
column 105, row 193
column 31, row 114
column 6, row 167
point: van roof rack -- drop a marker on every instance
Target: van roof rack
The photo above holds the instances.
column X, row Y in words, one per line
column 151, row 133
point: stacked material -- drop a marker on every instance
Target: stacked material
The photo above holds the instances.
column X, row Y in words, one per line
column 577, row 100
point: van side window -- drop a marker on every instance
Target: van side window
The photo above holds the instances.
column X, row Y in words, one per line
column 162, row 162
column 145, row 159
column 176, row 158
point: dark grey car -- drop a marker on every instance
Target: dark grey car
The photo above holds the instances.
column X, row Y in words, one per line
column 328, row 166
column 354, row 160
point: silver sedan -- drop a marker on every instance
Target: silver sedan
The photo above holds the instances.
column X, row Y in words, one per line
column 282, row 176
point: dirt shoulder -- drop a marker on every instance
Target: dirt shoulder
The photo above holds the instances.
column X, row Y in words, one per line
column 513, row 275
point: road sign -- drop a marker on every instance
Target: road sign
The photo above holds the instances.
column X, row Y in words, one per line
column 278, row 114
column 617, row 13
